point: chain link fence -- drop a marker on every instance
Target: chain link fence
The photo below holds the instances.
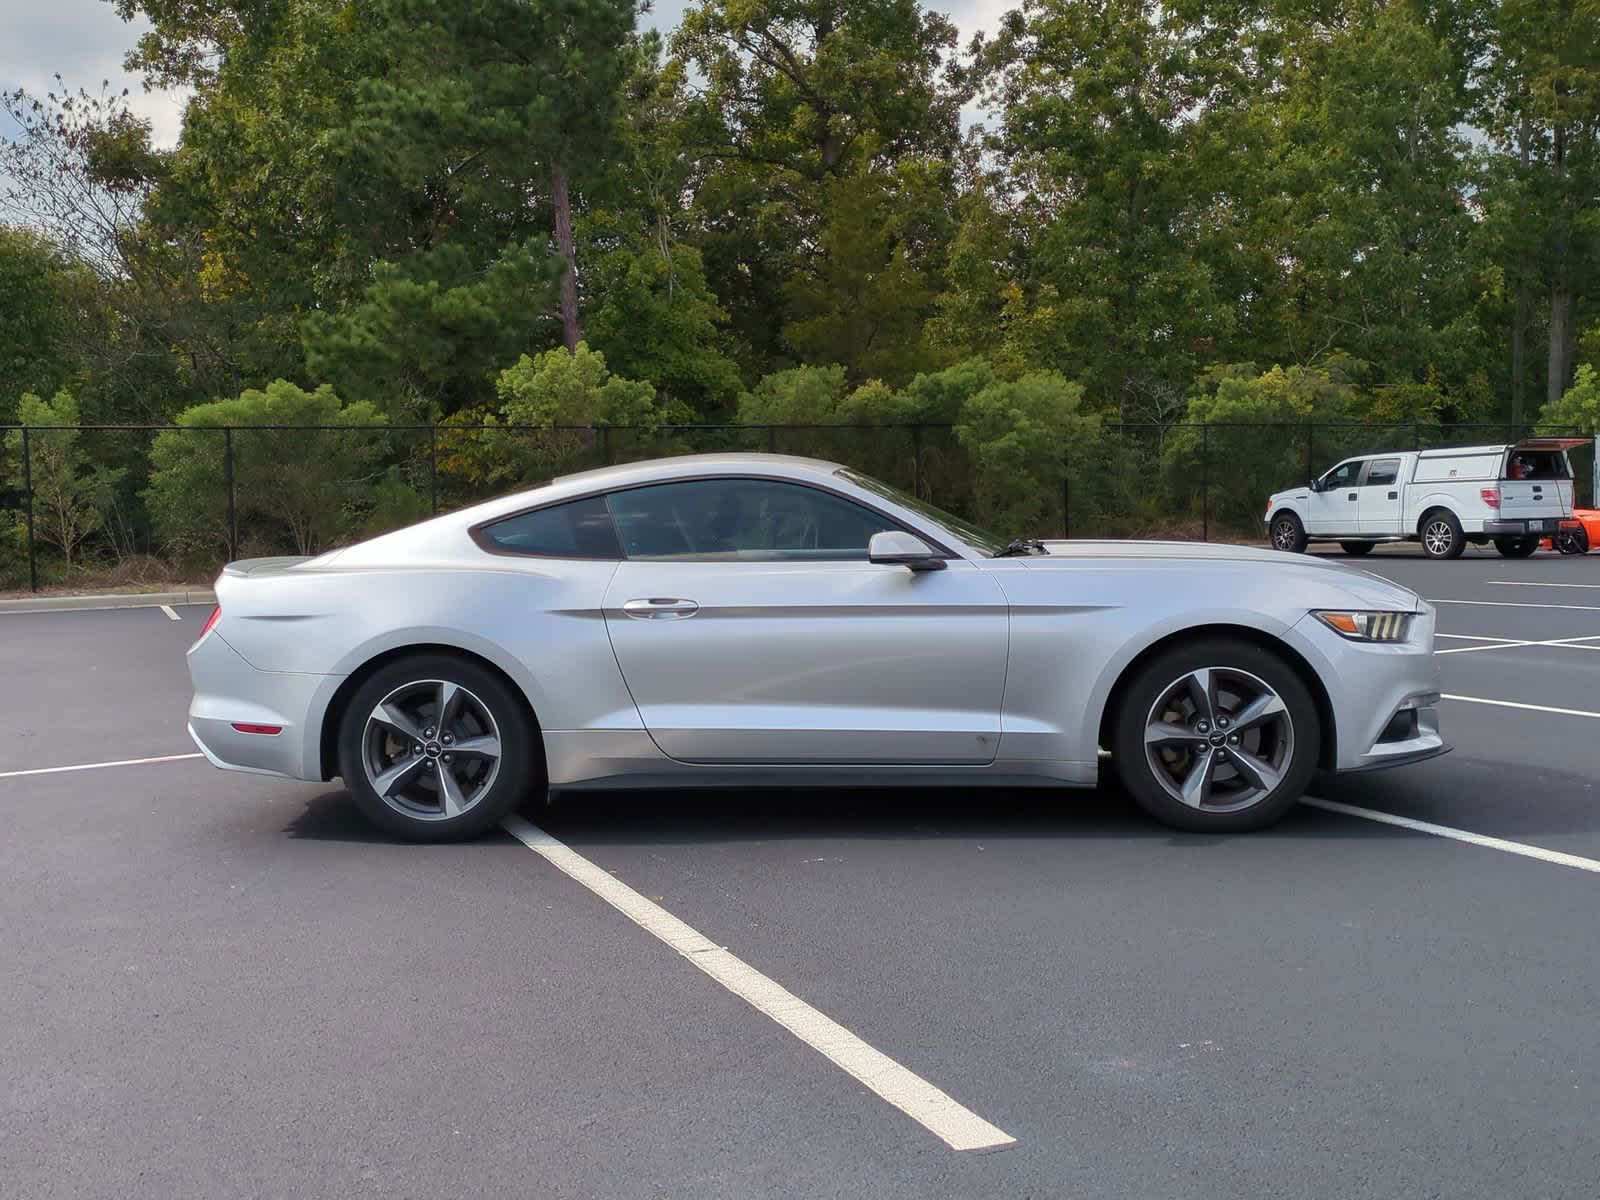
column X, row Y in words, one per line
column 194, row 497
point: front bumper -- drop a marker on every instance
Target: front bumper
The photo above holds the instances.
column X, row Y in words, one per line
column 1521, row 528
column 1384, row 697
column 228, row 691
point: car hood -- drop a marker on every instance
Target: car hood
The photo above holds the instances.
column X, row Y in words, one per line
column 1362, row 587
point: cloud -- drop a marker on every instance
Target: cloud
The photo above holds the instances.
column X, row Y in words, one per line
column 84, row 42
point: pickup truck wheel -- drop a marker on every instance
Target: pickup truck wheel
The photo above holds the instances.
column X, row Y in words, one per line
column 1516, row 547
column 1441, row 534
column 1288, row 534
column 1216, row 736
column 1356, row 549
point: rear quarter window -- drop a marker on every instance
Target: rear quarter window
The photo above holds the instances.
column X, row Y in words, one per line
column 577, row 529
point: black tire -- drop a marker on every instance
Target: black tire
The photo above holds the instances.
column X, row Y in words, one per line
column 1441, row 534
column 1573, row 541
column 1147, row 770
column 1356, row 549
column 1516, row 547
column 1288, row 534
column 484, row 707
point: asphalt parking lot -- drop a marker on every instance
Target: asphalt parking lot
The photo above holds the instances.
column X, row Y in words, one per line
column 220, row 985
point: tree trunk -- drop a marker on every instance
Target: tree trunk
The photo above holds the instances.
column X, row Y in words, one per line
column 571, row 330
column 1519, row 355
column 1563, row 341
column 1563, row 337
column 1519, row 319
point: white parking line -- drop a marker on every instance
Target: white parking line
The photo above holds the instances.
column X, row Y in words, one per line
column 1519, row 604
column 172, row 614
column 1576, row 643
column 121, row 762
column 1459, row 835
column 1534, row 583
column 1565, row 712
column 958, row 1127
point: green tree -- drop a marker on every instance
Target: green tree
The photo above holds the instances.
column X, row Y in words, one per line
column 1538, row 92
column 306, row 486
column 1578, row 410
column 71, row 493
column 45, row 303
column 1110, row 136
column 557, row 388
column 1018, row 435
column 826, row 130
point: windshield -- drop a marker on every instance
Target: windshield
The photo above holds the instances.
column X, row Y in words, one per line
column 984, row 540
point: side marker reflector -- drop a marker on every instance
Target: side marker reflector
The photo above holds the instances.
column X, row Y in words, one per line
column 266, row 729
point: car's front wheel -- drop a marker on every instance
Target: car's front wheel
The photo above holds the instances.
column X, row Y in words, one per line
column 1288, row 534
column 1216, row 736
column 436, row 748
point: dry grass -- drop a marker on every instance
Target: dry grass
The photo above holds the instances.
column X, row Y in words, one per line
column 131, row 576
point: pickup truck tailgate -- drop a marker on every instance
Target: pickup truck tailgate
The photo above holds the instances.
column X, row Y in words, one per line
column 1524, row 498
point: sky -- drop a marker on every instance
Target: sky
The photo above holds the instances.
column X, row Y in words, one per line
column 84, row 41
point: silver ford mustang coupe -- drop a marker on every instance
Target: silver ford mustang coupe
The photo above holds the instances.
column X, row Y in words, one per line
column 749, row 620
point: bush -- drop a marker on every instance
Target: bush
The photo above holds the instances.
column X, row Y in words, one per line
column 1019, row 436
column 71, row 494
column 299, row 489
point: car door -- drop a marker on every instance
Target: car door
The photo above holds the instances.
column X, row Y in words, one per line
column 1333, row 509
column 1378, row 510
column 750, row 628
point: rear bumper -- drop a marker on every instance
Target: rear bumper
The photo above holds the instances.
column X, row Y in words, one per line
column 1520, row 528
column 228, row 691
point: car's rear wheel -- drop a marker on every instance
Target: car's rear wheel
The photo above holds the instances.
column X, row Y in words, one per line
column 1516, row 547
column 1356, row 549
column 1216, row 736
column 1288, row 534
column 435, row 748
column 1573, row 541
column 1441, row 534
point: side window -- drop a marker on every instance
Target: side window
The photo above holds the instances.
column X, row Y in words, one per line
column 1383, row 472
column 577, row 529
column 742, row 519
column 1344, row 475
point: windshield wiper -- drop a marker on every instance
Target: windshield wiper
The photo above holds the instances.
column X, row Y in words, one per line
column 1022, row 547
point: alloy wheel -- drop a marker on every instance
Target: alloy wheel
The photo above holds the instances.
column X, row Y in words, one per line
column 431, row 750
column 1283, row 535
column 1436, row 538
column 1219, row 739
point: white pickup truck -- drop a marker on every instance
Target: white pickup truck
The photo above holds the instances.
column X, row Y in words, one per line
column 1512, row 494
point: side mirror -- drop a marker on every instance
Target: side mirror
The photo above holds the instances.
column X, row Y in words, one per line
column 899, row 548
column 1314, row 484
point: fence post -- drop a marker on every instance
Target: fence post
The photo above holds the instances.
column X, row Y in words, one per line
column 1205, row 482
column 916, row 460
column 1066, row 503
column 604, row 433
column 227, row 476
column 27, row 486
column 1311, row 451
column 772, row 439
column 433, row 468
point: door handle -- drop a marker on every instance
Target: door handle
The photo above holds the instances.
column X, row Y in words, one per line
column 1353, row 495
column 1394, row 495
column 660, row 609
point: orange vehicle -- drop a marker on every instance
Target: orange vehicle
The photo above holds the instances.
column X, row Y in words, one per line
column 1579, row 535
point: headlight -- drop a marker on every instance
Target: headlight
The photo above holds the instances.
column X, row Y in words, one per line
column 1368, row 626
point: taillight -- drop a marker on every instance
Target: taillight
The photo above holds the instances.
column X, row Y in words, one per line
column 1491, row 496
column 211, row 621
